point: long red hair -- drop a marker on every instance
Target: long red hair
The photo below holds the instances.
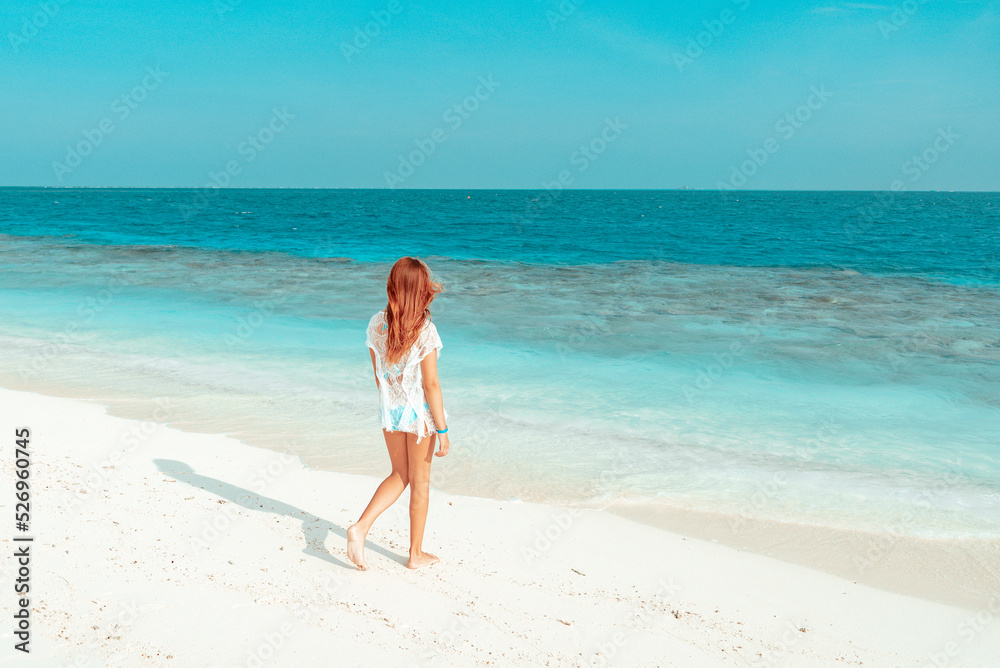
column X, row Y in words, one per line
column 410, row 290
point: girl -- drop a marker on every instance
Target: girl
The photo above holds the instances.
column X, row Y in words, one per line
column 403, row 344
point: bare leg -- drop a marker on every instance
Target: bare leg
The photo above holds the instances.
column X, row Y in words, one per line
column 419, row 454
column 386, row 494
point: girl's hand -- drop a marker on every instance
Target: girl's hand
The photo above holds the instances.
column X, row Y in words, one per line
column 442, row 445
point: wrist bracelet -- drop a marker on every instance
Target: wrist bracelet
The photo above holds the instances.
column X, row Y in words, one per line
column 443, row 431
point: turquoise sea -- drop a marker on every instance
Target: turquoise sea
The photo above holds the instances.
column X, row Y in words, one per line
column 824, row 358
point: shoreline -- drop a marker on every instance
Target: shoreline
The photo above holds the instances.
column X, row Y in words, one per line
column 960, row 572
column 137, row 560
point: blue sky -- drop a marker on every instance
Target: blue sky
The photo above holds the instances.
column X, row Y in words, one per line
column 596, row 94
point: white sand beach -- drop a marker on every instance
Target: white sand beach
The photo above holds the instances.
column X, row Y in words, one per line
column 158, row 547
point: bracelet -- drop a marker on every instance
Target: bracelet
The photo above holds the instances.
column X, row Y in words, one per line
column 443, row 431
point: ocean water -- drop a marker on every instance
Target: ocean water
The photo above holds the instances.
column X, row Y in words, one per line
column 823, row 358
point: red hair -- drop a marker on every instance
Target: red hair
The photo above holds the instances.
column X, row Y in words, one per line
column 410, row 290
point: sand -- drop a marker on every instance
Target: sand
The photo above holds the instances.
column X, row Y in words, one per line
column 154, row 546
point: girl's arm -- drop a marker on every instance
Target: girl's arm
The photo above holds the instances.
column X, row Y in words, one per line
column 432, row 393
column 375, row 369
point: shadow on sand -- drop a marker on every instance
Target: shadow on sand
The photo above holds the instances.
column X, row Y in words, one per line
column 315, row 529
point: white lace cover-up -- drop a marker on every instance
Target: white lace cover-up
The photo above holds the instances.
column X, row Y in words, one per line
column 401, row 405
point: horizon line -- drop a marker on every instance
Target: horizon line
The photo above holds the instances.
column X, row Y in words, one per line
column 711, row 190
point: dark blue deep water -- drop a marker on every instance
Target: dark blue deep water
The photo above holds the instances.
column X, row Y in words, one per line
column 951, row 235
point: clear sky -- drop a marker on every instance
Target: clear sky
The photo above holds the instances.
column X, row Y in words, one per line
column 777, row 95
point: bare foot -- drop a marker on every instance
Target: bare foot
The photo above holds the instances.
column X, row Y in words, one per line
column 356, row 547
column 421, row 559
